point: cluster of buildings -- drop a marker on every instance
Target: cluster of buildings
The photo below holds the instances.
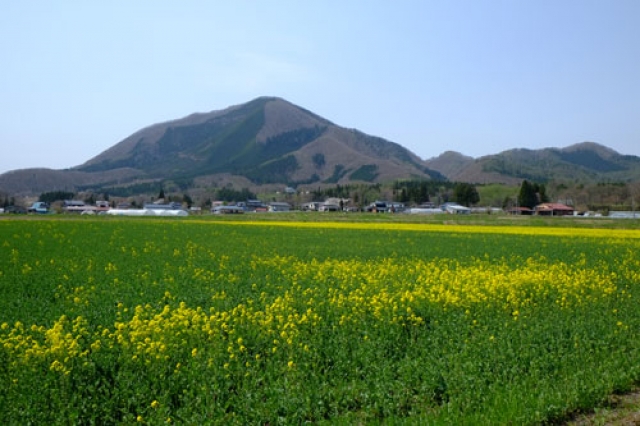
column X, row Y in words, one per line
column 160, row 208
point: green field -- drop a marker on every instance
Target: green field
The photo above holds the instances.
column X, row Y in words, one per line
column 118, row 321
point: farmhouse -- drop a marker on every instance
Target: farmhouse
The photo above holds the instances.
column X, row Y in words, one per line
column 553, row 209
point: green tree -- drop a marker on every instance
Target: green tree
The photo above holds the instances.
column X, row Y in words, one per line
column 527, row 196
column 50, row 197
column 466, row 194
column 541, row 192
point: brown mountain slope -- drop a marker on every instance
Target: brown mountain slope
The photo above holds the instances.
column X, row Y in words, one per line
column 266, row 141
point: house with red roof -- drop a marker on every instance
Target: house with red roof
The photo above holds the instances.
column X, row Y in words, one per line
column 553, row 209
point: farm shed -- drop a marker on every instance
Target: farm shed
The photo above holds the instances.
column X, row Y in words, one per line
column 279, row 207
column 453, row 208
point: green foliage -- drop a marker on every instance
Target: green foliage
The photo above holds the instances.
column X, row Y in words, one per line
column 230, row 194
column 497, row 195
column 419, row 191
column 527, row 196
column 532, row 194
column 50, row 197
column 435, row 175
column 178, row 183
column 338, row 173
column 488, row 361
column 541, row 191
column 134, row 189
column 516, row 168
column 465, row 194
column 311, row 179
column 291, row 141
column 360, row 193
column 383, row 147
column 274, row 171
column 591, row 160
column 366, row 173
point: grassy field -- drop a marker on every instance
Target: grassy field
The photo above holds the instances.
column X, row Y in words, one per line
column 287, row 319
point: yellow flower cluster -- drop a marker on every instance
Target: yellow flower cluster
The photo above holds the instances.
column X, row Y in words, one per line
column 299, row 297
column 59, row 344
column 449, row 228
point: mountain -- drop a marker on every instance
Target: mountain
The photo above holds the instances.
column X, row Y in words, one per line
column 268, row 143
column 265, row 141
column 586, row 162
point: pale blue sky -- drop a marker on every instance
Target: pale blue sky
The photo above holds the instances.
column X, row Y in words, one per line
column 477, row 77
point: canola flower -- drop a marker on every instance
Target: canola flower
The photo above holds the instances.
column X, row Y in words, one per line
column 242, row 320
column 449, row 228
column 317, row 294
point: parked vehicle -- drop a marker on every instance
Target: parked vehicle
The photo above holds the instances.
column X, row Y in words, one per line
column 38, row 207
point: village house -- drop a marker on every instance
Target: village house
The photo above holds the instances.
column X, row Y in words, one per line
column 553, row 209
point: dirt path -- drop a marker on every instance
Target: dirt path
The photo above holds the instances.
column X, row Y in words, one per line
column 622, row 410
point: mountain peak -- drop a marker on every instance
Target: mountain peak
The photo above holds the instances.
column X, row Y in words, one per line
column 270, row 140
column 266, row 140
column 602, row 150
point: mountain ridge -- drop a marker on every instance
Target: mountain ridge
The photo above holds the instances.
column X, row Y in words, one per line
column 586, row 162
column 267, row 140
column 270, row 141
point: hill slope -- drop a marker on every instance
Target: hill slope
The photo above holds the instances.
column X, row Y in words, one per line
column 585, row 162
column 267, row 141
